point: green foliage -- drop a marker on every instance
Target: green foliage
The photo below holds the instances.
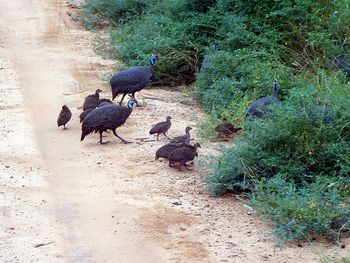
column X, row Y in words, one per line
column 305, row 212
column 292, row 157
column 115, row 11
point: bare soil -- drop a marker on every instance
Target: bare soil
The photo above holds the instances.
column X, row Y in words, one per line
column 63, row 200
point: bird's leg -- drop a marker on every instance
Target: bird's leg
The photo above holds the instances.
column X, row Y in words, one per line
column 121, row 101
column 166, row 136
column 124, row 141
column 157, row 136
column 101, row 142
column 137, row 103
column 186, row 167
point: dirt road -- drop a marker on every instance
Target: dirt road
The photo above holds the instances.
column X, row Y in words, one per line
column 63, row 200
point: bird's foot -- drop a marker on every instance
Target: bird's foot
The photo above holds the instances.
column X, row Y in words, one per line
column 102, row 143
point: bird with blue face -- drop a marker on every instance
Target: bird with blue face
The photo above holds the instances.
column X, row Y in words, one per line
column 131, row 80
column 108, row 117
column 258, row 108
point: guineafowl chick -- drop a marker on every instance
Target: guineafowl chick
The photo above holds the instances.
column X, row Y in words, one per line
column 92, row 100
column 105, row 118
column 64, row 116
column 161, row 128
column 184, row 138
column 183, row 154
column 100, row 101
column 103, row 102
column 165, row 150
column 226, row 129
column 131, row 80
column 258, row 108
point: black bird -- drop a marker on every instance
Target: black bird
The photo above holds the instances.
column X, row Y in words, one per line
column 183, row 154
column 161, row 127
column 92, row 100
column 184, row 138
column 131, row 80
column 64, row 116
column 226, row 129
column 258, row 108
column 102, row 102
column 165, row 150
column 105, row 118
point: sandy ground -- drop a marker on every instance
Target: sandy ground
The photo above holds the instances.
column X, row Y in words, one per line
column 63, row 200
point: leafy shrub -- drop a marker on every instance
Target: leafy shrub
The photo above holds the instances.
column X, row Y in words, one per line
column 306, row 212
column 115, row 11
column 292, row 157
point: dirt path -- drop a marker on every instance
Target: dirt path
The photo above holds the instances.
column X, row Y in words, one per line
column 109, row 203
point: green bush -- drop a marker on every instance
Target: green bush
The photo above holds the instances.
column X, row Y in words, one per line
column 306, row 212
column 115, row 11
column 291, row 157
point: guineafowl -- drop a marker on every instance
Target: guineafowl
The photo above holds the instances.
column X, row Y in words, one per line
column 165, row 150
column 102, row 102
column 131, row 80
column 105, row 118
column 226, row 129
column 342, row 63
column 183, row 154
column 184, row 138
column 258, row 108
column 207, row 58
column 92, row 100
column 161, row 127
column 64, row 116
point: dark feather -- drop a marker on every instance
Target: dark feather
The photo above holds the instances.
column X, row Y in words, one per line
column 92, row 100
column 184, row 138
column 131, row 80
column 64, row 116
column 165, row 150
column 258, row 108
column 101, row 119
column 183, row 154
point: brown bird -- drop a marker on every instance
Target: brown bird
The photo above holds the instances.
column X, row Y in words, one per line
column 92, row 100
column 182, row 155
column 226, row 129
column 184, row 138
column 161, row 128
column 64, row 116
column 165, row 150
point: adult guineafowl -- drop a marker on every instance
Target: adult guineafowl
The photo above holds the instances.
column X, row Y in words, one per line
column 161, row 127
column 105, row 118
column 64, row 116
column 92, row 100
column 226, row 129
column 131, row 80
column 184, row 138
column 258, row 108
column 165, row 150
column 183, row 154
column 102, row 102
